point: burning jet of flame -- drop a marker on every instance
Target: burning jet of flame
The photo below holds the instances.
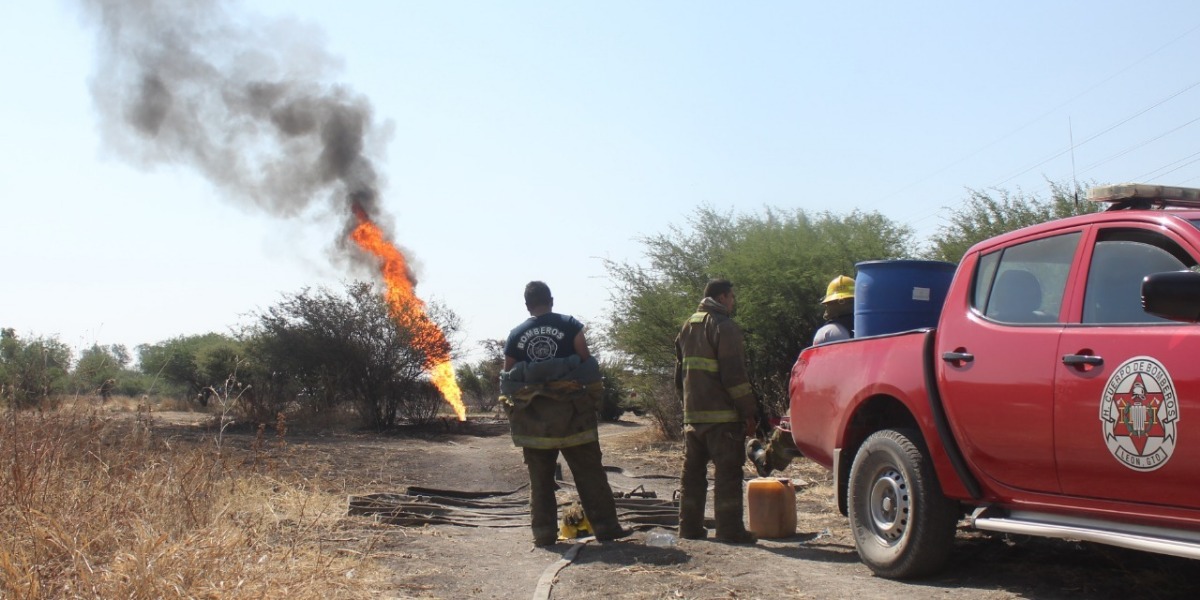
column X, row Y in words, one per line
column 409, row 310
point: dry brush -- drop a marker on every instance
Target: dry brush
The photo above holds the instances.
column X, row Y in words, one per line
column 94, row 506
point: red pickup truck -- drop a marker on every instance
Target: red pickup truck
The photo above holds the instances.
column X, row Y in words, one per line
column 1052, row 398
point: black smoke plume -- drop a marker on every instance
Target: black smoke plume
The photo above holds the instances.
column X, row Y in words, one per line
column 249, row 103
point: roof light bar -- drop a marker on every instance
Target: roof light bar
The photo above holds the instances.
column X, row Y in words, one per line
column 1164, row 194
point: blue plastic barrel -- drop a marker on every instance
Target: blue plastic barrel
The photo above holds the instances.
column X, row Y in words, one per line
column 899, row 295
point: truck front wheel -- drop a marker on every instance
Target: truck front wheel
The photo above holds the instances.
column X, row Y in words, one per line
column 903, row 526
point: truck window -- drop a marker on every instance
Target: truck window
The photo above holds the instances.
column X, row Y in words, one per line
column 1024, row 283
column 1120, row 259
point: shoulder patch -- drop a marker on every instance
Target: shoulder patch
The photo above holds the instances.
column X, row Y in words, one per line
column 1139, row 414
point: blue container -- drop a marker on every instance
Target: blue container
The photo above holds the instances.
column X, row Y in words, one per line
column 899, row 295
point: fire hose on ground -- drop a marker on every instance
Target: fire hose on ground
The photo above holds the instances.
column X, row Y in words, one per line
column 638, row 508
column 429, row 506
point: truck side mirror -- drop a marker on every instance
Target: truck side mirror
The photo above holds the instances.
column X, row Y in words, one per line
column 1174, row 295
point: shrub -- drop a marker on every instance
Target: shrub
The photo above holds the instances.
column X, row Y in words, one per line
column 32, row 371
column 661, row 402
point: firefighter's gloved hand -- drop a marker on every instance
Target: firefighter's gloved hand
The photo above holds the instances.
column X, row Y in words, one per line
column 757, row 453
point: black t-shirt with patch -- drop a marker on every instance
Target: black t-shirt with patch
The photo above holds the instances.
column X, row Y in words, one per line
column 542, row 338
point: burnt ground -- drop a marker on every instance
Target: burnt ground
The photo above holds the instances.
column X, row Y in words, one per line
column 450, row 561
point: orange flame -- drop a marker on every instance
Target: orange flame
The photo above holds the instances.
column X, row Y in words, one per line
column 409, row 310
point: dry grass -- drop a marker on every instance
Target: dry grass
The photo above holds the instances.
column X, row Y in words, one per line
column 93, row 506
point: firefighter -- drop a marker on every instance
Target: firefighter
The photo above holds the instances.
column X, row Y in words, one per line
column 839, row 311
column 780, row 449
column 551, row 388
column 719, row 411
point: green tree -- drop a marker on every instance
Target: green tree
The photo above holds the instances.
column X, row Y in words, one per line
column 781, row 269
column 650, row 302
column 32, row 371
column 985, row 214
column 612, row 405
column 191, row 365
column 468, row 382
column 133, row 384
column 780, row 262
column 480, row 380
column 100, row 369
column 488, row 370
column 348, row 349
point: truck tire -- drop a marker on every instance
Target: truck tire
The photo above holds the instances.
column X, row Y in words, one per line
column 903, row 526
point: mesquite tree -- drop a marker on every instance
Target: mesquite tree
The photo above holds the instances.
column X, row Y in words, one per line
column 779, row 262
column 346, row 350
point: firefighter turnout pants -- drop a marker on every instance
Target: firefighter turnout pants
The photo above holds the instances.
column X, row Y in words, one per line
column 724, row 445
column 590, row 481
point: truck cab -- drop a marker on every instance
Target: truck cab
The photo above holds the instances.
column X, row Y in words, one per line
column 1047, row 401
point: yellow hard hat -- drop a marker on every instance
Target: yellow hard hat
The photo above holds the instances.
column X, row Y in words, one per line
column 841, row 287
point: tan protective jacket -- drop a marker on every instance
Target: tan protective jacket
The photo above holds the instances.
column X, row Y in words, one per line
column 553, row 404
column 710, row 368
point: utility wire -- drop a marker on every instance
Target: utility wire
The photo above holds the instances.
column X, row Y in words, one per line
column 1144, row 177
column 1074, row 176
column 924, row 217
column 1136, row 146
column 1045, row 114
column 1100, row 133
column 1156, row 172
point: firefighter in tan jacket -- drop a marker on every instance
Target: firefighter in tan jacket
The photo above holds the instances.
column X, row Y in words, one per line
column 719, row 411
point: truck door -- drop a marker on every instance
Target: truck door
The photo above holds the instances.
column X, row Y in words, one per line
column 997, row 351
column 1127, row 382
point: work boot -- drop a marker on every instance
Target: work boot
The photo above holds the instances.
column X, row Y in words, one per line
column 689, row 533
column 613, row 534
column 758, row 456
column 738, row 537
column 545, row 538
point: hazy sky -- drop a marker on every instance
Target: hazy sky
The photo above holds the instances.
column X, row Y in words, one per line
column 532, row 140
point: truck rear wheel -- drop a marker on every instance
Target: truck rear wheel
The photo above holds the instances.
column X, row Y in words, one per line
column 903, row 526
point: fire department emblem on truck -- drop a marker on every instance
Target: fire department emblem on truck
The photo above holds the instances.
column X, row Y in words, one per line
column 1139, row 414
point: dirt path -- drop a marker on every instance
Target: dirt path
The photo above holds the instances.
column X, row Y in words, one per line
column 444, row 561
